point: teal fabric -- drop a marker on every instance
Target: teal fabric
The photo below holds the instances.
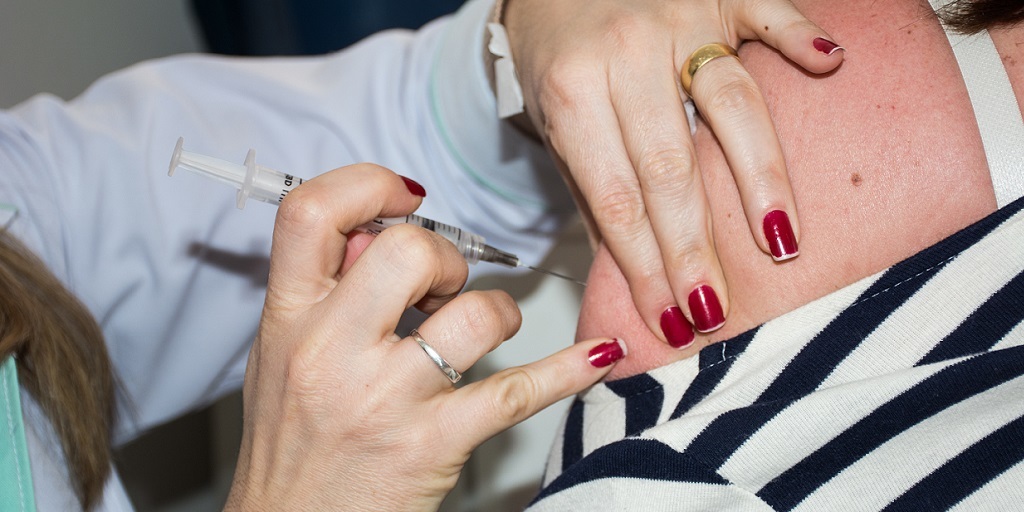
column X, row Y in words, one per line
column 8, row 213
column 15, row 474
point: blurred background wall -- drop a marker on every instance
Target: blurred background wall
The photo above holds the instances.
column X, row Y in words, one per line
column 294, row 27
column 60, row 47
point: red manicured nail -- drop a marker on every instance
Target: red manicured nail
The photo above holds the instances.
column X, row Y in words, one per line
column 779, row 233
column 607, row 353
column 415, row 188
column 705, row 308
column 676, row 327
column 825, row 46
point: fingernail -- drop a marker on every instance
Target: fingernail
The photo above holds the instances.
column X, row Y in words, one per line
column 607, row 353
column 676, row 327
column 414, row 188
column 779, row 233
column 825, row 46
column 705, row 308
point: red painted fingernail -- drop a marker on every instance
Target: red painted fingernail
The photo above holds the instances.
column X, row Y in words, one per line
column 779, row 233
column 607, row 353
column 676, row 327
column 705, row 308
column 825, row 46
column 415, row 188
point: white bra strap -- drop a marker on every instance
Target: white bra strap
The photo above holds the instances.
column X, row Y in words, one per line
column 995, row 108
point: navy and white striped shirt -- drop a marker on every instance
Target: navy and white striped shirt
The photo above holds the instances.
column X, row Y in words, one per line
column 903, row 391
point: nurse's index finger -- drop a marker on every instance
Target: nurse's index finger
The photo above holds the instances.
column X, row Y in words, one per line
column 313, row 220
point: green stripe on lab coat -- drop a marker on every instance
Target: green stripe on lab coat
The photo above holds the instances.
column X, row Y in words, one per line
column 15, row 473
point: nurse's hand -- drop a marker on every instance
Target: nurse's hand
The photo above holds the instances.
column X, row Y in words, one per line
column 601, row 79
column 340, row 412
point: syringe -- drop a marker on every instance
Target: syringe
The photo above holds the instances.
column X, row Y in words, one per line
column 270, row 186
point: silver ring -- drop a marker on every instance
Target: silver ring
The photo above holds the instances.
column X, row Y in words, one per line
column 451, row 373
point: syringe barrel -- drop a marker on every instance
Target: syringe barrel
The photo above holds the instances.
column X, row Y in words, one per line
column 272, row 186
column 470, row 245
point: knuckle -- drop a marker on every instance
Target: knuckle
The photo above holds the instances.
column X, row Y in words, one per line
column 478, row 313
column 410, row 247
column 765, row 174
column 619, row 208
column 732, row 97
column 484, row 311
column 514, row 398
column 302, row 207
column 622, row 30
column 561, row 83
column 568, row 93
column 510, row 312
column 692, row 253
column 688, row 257
column 668, row 168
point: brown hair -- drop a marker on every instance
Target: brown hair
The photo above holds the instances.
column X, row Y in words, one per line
column 62, row 362
column 972, row 16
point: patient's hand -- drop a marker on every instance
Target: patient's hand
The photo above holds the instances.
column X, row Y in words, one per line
column 602, row 84
column 884, row 156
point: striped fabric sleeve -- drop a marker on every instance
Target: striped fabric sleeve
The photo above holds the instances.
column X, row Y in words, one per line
column 899, row 392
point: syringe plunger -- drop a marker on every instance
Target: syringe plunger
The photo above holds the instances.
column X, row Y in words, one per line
column 251, row 180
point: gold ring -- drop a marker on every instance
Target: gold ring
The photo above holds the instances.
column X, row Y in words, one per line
column 701, row 56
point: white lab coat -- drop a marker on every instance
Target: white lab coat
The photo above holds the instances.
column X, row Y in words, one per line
column 172, row 270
